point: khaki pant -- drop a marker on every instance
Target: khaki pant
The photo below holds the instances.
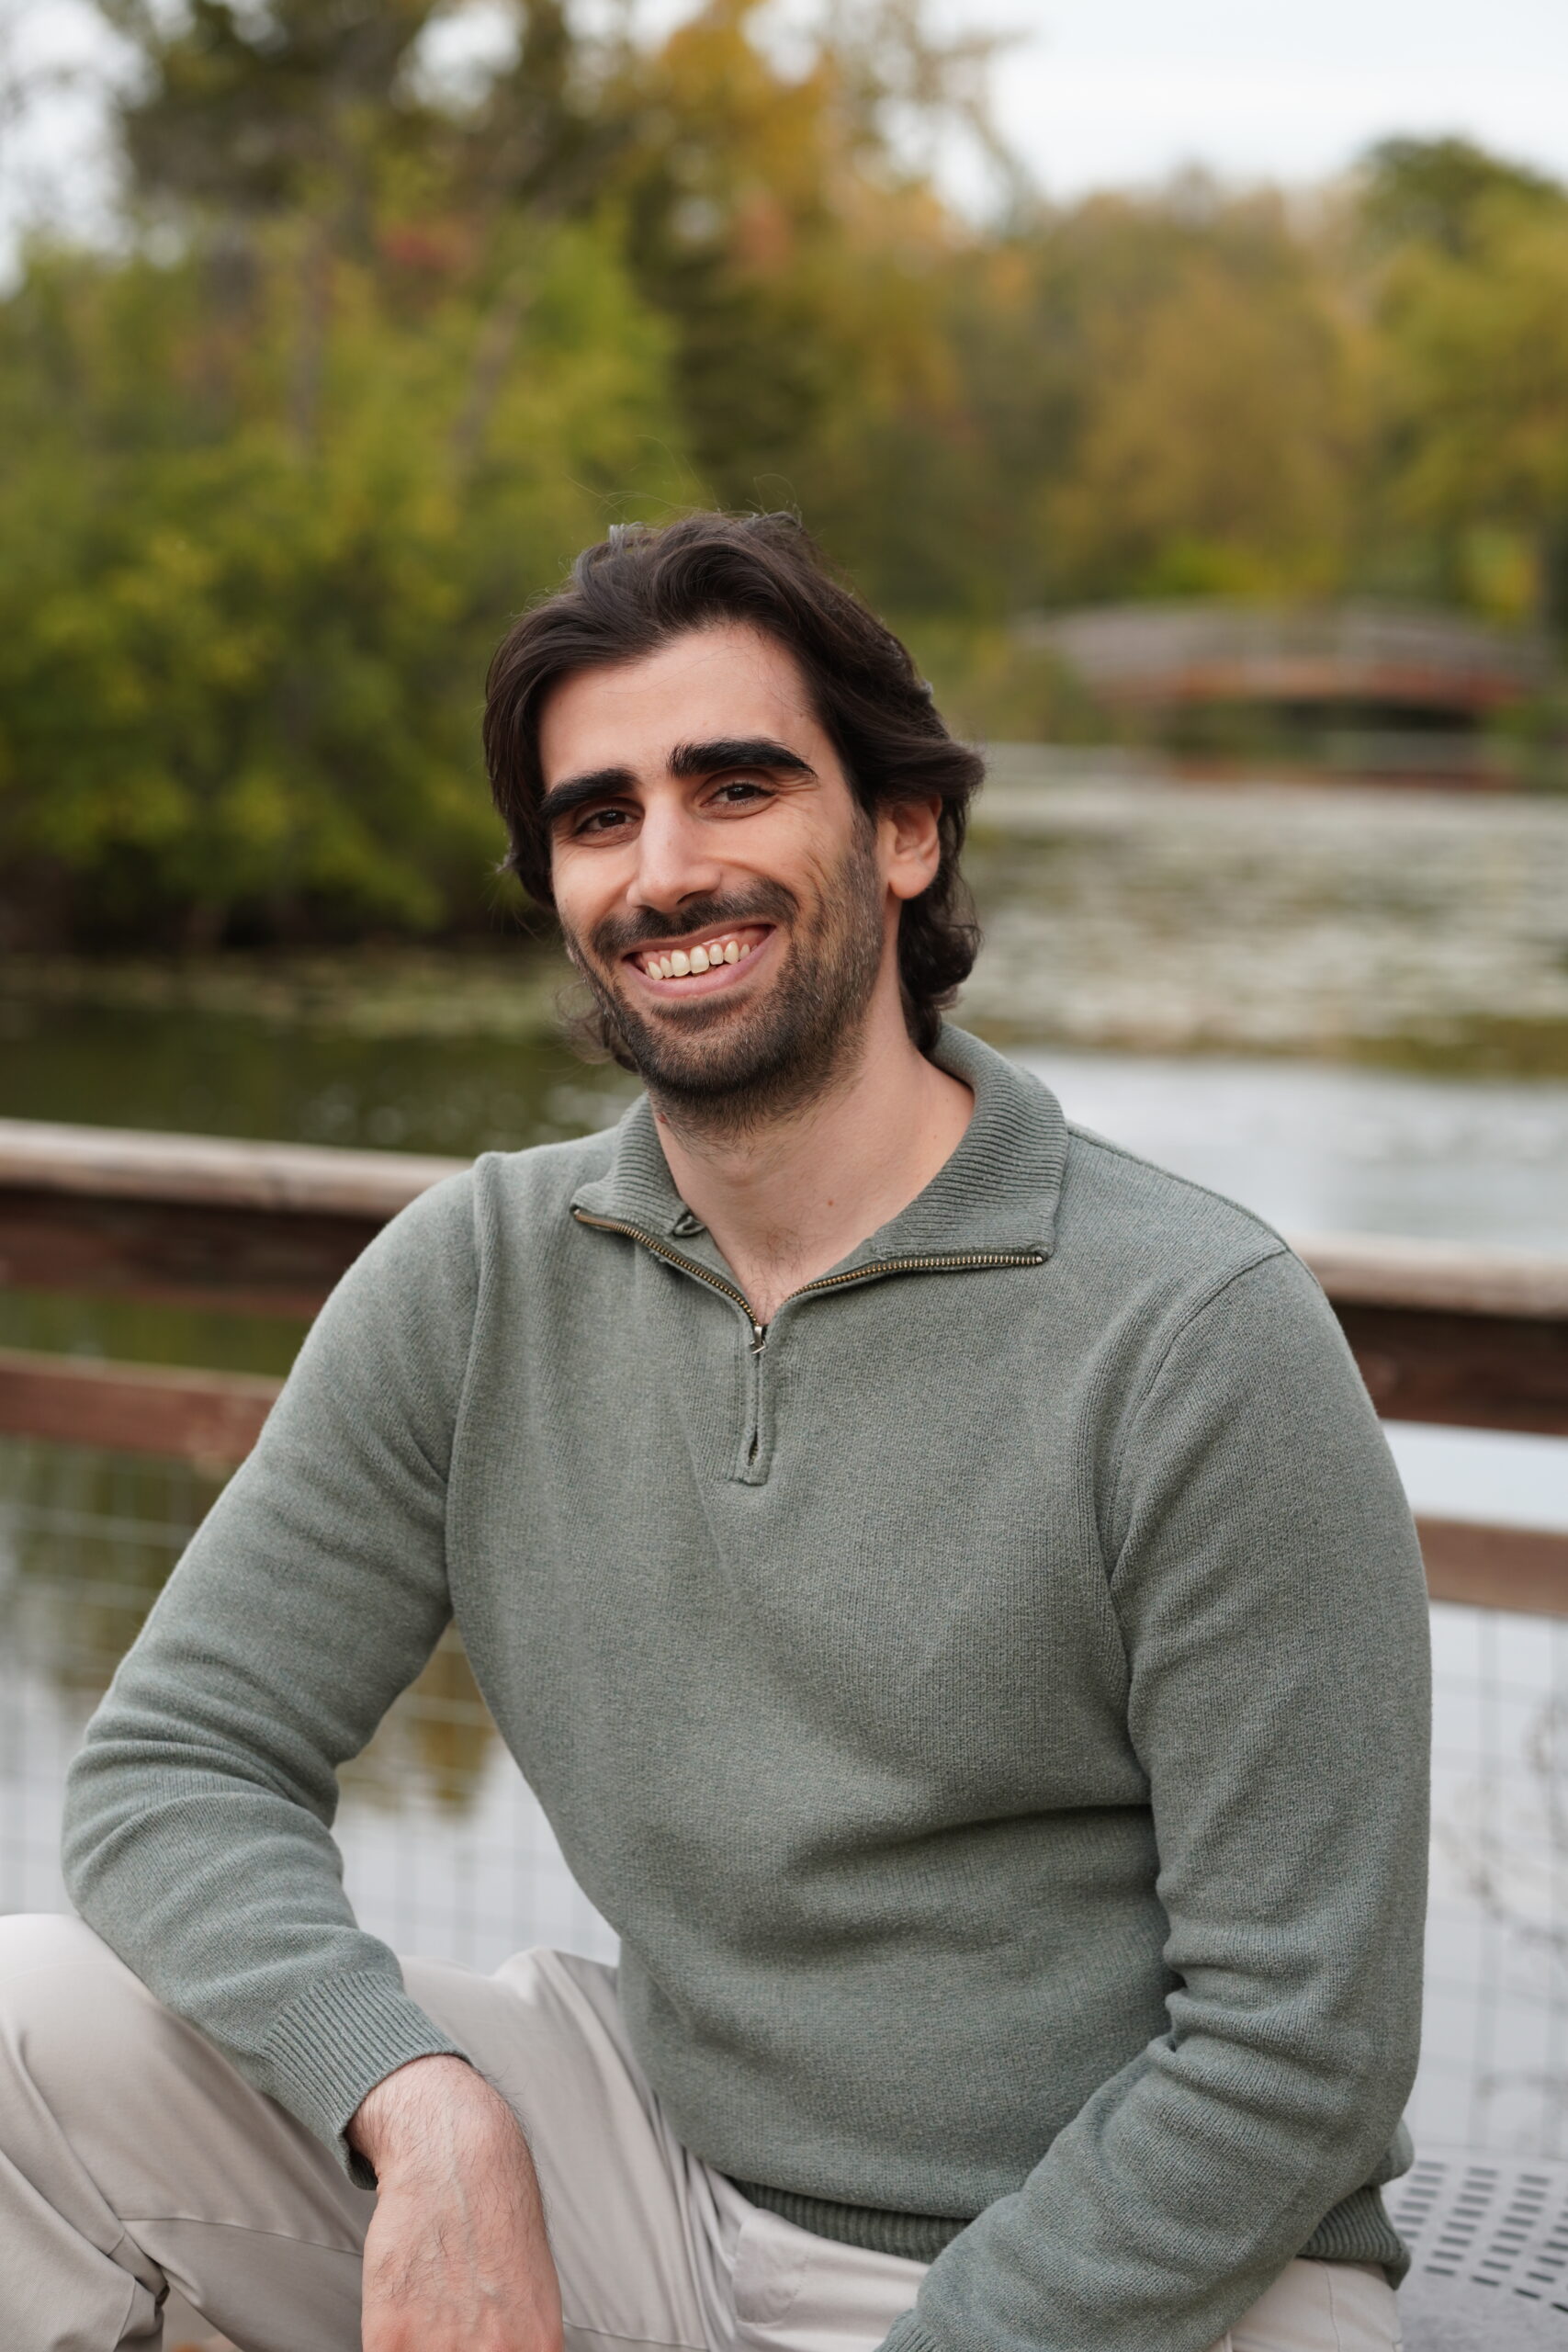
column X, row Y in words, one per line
column 133, row 2159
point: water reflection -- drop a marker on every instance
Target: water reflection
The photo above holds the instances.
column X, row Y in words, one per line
column 87, row 1541
column 436, row 1744
column 323, row 1077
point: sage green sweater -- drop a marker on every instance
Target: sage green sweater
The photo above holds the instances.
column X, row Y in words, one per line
column 993, row 1712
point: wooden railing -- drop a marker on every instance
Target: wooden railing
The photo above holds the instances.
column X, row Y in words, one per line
column 1442, row 1332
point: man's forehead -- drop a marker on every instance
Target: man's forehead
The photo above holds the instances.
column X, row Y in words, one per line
column 711, row 683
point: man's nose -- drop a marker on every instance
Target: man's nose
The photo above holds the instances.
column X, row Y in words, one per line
column 675, row 861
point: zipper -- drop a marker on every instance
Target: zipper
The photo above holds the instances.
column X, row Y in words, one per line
column 687, row 1266
column 953, row 1261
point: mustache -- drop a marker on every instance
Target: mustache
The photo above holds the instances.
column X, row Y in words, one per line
column 620, row 935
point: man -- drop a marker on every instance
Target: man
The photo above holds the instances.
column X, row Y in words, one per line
column 942, row 1576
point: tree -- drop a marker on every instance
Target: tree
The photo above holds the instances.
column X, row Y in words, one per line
column 239, row 677
column 1219, row 444
column 1472, row 291
column 1436, row 194
column 251, row 112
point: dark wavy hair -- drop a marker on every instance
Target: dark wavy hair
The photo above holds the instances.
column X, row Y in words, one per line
column 644, row 585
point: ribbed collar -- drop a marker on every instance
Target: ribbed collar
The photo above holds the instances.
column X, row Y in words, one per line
column 999, row 1191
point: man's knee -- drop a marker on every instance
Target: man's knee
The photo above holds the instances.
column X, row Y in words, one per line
column 71, row 2011
column 30, row 1940
column 46, row 1961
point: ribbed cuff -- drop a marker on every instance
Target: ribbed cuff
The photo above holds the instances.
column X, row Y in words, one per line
column 1359, row 2230
column 331, row 2046
column 906, row 2335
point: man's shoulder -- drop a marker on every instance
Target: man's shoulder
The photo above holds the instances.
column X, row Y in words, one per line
column 497, row 1201
column 1152, row 1262
column 1114, row 1224
column 547, row 1174
column 1139, row 1225
column 521, row 1200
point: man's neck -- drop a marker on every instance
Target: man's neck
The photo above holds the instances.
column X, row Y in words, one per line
column 787, row 1201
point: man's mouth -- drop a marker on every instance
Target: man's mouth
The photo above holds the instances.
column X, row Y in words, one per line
column 697, row 966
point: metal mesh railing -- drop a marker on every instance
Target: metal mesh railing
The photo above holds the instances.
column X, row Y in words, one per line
column 1494, row 2067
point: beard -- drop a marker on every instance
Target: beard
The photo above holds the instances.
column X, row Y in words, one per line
column 724, row 1068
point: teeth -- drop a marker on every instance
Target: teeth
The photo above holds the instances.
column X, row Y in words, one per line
column 680, row 962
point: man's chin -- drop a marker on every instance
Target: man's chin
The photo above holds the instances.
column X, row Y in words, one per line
column 706, row 1054
column 685, row 1058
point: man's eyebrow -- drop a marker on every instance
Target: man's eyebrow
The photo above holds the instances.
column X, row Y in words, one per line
column 685, row 759
column 738, row 752
column 599, row 783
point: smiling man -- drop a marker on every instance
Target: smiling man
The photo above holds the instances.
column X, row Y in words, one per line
column 942, row 1576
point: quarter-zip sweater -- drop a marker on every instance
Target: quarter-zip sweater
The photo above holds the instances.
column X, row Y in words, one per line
column 990, row 1704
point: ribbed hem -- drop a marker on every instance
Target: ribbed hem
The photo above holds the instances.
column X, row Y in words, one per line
column 1359, row 2230
column 916, row 2237
column 331, row 2046
column 906, row 2335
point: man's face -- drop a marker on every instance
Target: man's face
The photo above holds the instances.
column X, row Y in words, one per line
column 718, row 885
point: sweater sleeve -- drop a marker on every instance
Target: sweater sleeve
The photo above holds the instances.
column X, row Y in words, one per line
column 1268, row 1584
column 200, row 1810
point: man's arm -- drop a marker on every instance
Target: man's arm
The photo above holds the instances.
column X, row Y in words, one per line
column 455, row 2255
column 1266, row 1581
column 198, row 1814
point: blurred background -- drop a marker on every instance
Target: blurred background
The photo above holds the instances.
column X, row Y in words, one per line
column 1190, row 387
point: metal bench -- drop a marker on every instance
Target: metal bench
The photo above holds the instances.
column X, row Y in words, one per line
column 1489, row 2241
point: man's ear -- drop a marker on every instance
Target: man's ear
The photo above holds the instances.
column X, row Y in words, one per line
column 911, row 844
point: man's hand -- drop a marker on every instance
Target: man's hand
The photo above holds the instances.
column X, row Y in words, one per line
column 455, row 2258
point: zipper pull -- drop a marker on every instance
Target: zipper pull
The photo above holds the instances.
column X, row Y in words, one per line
column 758, row 1338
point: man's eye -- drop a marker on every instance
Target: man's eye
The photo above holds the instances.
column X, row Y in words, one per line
column 600, row 821
column 739, row 790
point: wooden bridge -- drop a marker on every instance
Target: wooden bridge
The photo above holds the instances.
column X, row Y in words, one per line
column 1348, row 658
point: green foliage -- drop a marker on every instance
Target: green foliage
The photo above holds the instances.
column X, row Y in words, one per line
column 1434, row 195
column 1216, row 416
column 239, row 664
column 1474, row 355
column 373, row 357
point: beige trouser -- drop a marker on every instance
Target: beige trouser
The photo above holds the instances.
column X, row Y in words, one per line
column 133, row 2159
